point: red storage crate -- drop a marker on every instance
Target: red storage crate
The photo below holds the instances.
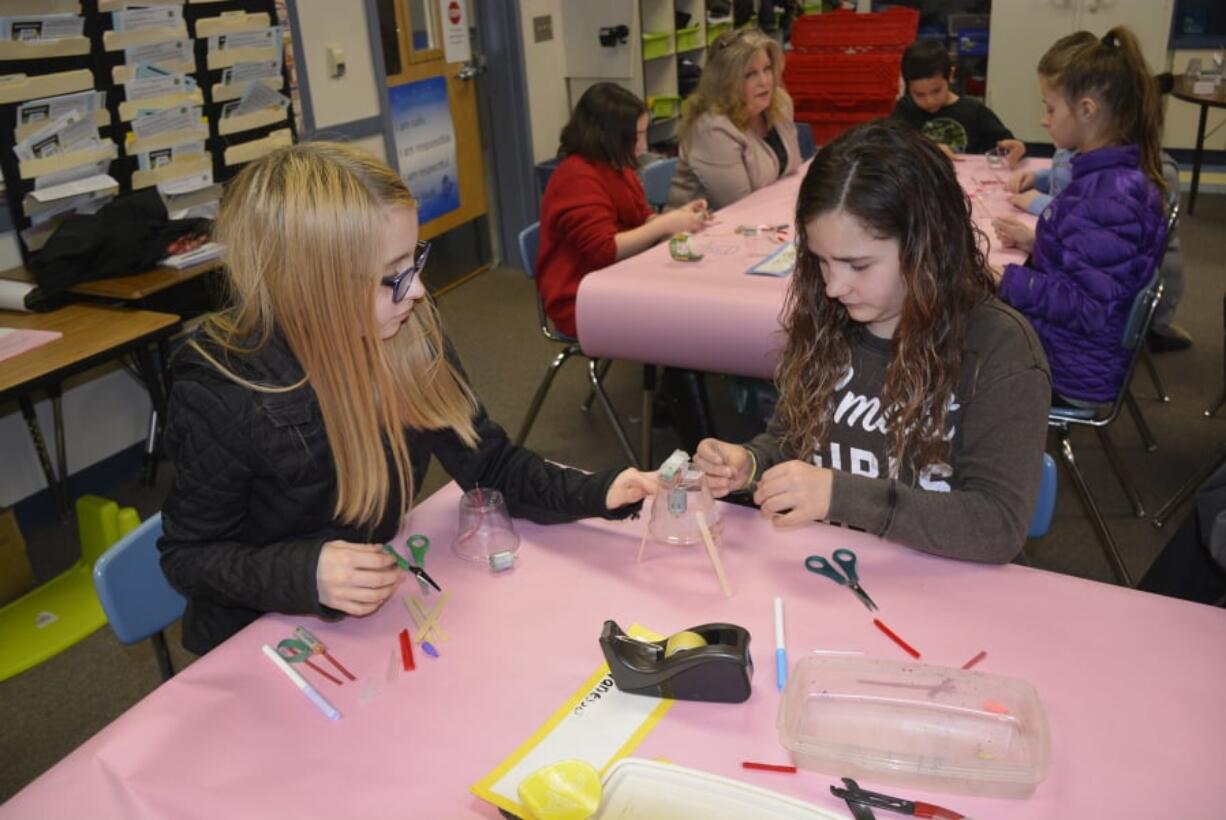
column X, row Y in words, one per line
column 893, row 30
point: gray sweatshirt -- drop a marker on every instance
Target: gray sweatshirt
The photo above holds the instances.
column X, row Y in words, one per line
column 979, row 505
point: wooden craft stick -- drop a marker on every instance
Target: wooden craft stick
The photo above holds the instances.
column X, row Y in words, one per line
column 427, row 618
column 713, row 554
column 643, row 546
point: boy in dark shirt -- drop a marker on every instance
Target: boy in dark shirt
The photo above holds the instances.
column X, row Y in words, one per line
column 960, row 125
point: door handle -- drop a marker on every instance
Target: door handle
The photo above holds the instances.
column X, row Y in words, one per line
column 470, row 70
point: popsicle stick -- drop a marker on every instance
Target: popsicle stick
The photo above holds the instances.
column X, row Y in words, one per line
column 713, row 554
column 642, row 546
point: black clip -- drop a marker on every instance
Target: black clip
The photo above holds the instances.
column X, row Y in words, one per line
column 614, row 35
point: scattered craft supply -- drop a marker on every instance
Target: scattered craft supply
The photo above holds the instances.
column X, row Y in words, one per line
column 502, row 561
column 307, row 689
column 418, row 545
column 429, row 649
column 908, row 648
column 846, row 559
column 767, row 767
column 393, row 666
column 718, row 670
column 853, row 794
column 975, row 660
column 317, row 647
column 781, row 648
column 680, row 249
column 406, row 651
column 296, row 651
column 368, row 692
column 427, row 618
column 995, row 707
column 713, row 554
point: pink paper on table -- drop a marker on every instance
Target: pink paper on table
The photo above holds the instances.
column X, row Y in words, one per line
column 14, row 341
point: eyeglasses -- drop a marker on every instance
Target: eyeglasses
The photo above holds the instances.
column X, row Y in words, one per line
column 728, row 39
column 402, row 281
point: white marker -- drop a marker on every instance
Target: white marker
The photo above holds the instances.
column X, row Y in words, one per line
column 781, row 649
column 307, row 689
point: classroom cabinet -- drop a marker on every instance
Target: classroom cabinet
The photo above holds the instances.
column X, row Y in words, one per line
column 1022, row 30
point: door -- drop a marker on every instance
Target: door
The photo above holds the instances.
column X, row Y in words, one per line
column 434, row 117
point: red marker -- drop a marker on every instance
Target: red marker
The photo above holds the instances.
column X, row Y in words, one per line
column 767, row 767
column 406, row 651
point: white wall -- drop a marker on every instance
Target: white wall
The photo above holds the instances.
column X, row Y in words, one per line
column 545, row 76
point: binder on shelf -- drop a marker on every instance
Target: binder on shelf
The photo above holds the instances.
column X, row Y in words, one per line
column 34, row 168
column 16, row 88
column 102, row 117
column 22, row 8
column 225, row 93
column 129, row 108
column 240, row 21
column 256, row 119
column 118, row 5
column 253, row 150
column 137, row 145
column 122, row 74
column 172, row 170
column 119, row 40
column 42, row 49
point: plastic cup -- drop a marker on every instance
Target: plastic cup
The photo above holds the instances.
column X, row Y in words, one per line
column 485, row 526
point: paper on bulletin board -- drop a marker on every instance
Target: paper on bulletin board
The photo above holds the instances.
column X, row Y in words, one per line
column 425, row 145
column 598, row 724
column 456, row 48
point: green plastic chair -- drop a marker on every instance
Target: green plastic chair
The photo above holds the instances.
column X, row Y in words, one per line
column 52, row 617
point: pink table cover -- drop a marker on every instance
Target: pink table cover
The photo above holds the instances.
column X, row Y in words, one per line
column 711, row 315
column 1131, row 682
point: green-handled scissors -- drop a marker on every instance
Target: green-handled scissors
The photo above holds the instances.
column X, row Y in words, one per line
column 846, row 559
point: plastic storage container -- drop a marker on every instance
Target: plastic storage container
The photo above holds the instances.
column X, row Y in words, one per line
column 657, row 44
column 664, row 106
column 929, row 727
column 690, row 38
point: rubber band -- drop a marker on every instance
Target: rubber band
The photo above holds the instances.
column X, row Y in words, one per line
column 973, row 661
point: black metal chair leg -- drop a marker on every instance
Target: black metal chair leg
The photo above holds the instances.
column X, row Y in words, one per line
column 611, row 412
column 163, row 654
column 1147, row 435
column 1121, row 472
column 1105, row 539
column 539, row 398
column 605, row 364
column 1148, row 361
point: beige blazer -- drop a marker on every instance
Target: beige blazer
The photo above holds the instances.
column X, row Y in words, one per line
column 721, row 163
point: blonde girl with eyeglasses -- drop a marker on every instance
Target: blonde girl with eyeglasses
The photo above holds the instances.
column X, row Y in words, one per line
column 303, row 416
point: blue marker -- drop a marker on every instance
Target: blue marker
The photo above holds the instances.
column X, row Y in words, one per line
column 781, row 649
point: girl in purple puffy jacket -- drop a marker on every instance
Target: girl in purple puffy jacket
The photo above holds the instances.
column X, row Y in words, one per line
column 1098, row 243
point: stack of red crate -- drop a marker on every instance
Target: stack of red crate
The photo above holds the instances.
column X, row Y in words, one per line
column 844, row 67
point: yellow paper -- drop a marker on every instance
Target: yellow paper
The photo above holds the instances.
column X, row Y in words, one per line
column 624, row 720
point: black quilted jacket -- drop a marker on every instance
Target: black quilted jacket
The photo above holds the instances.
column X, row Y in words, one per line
column 254, row 490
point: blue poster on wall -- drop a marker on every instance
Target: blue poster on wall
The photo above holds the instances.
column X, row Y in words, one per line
column 425, row 145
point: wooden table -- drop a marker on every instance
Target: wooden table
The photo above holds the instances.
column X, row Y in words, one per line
column 92, row 335
column 1183, row 91
column 1130, row 682
column 127, row 288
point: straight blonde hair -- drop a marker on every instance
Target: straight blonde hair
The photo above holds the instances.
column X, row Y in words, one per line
column 303, row 235
column 720, row 87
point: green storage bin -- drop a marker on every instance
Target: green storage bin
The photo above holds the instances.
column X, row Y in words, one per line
column 664, row 106
column 716, row 29
column 657, row 44
column 689, row 39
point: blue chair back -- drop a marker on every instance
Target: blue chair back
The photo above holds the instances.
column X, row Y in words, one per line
column 1045, row 507
column 529, row 241
column 544, row 170
column 138, row 600
column 804, row 135
column 657, row 178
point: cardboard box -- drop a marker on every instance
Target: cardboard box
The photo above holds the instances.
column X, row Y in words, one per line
column 16, row 577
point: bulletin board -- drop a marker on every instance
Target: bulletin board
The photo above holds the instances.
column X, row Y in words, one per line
column 100, row 98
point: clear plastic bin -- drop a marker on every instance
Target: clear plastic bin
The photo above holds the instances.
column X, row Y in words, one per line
column 930, row 727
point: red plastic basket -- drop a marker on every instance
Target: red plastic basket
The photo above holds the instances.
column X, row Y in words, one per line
column 890, row 30
column 827, row 125
column 866, row 76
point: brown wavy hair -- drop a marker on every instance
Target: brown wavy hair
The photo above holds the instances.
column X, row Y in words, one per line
column 898, row 185
column 1113, row 70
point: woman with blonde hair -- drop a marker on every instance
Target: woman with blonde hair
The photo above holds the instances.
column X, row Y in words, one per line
column 303, row 417
column 737, row 133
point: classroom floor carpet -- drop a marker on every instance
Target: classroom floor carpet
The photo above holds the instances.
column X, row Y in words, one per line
column 51, row 709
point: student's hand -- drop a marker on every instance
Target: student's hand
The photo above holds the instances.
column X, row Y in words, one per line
column 949, row 152
column 795, row 492
column 1016, row 150
column 726, row 465
column 1022, row 201
column 685, row 219
column 629, row 487
column 355, row 578
column 1021, row 181
column 1014, row 233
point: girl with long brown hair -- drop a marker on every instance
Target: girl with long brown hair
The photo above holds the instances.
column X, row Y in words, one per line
column 912, row 403
column 303, row 417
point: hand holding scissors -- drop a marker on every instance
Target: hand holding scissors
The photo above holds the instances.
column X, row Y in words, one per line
column 846, row 559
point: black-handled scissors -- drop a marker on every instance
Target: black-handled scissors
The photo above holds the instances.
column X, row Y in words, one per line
column 846, row 559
